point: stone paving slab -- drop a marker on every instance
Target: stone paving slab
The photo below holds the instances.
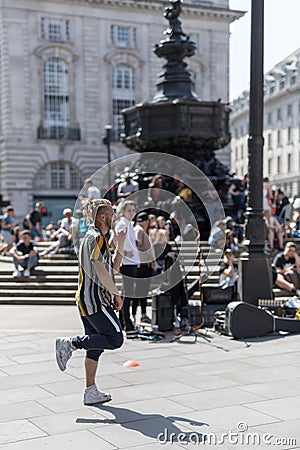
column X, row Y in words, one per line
column 69, row 421
column 10, row 382
column 224, row 418
column 209, row 399
column 77, row 385
column 282, row 408
column 18, row 430
column 23, row 394
column 285, row 429
column 131, row 434
column 281, row 374
column 77, row 440
column 274, row 389
column 23, row 410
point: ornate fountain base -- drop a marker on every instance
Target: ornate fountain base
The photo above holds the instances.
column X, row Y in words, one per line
column 181, row 127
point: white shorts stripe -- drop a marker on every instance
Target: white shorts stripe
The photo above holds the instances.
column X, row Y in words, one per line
column 110, row 318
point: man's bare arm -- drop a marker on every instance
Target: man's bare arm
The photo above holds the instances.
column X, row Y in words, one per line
column 119, row 239
column 105, row 278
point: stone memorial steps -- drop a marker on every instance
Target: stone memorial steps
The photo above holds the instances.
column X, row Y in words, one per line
column 5, row 276
column 48, row 262
column 22, row 284
column 36, row 292
column 55, row 280
column 36, row 300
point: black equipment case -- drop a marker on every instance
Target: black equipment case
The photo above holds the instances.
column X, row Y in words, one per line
column 162, row 312
column 215, row 299
column 215, row 295
column 244, row 320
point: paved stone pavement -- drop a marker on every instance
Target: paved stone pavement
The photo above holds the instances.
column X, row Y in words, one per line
column 218, row 385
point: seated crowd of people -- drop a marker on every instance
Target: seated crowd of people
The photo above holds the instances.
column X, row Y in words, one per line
column 20, row 238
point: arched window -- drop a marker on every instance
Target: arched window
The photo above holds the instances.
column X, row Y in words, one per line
column 123, row 94
column 58, row 175
column 56, row 98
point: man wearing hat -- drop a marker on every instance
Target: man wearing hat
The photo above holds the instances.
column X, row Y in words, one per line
column 127, row 187
column 144, row 271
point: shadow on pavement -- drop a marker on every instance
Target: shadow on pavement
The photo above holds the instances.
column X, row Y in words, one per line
column 155, row 426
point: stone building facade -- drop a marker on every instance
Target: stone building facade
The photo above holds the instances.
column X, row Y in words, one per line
column 67, row 69
column 281, row 127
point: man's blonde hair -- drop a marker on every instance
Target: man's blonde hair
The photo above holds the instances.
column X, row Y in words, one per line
column 94, row 207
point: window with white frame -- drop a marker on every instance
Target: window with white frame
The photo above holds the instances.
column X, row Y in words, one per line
column 289, row 110
column 74, row 178
column 40, row 179
column 58, row 176
column 123, row 95
column 290, row 134
column 269, row 140
column 278, row 137
column 279, row 114
column 289, row 162
column 242, row 151
column 278, row 164
column 123, row 36
column 269, row 166
column 56, row 97
column 293, row 79
column 270, row 118
column 55, row 29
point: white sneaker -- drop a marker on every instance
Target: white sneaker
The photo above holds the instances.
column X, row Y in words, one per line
column 92, row 395
column 64, row 351
column 17, row 274
column 27, row 273
column 298, row 292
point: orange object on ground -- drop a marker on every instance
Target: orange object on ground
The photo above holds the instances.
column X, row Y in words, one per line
column 131, row 363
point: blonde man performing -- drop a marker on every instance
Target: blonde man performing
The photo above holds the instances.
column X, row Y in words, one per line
column 97, row 297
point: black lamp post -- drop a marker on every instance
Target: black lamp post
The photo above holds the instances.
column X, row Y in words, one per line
column 255, row 280
column 107, row 141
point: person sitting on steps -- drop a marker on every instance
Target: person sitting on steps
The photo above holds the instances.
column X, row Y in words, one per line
column 25, row 254
column 287, row 266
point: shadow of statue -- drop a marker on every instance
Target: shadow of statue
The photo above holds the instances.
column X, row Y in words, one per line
column 156, row 426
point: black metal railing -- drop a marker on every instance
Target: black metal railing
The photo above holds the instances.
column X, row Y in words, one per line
column 58, row 133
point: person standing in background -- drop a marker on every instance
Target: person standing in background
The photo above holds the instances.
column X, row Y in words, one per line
column 130, row 261
column 144, row 272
